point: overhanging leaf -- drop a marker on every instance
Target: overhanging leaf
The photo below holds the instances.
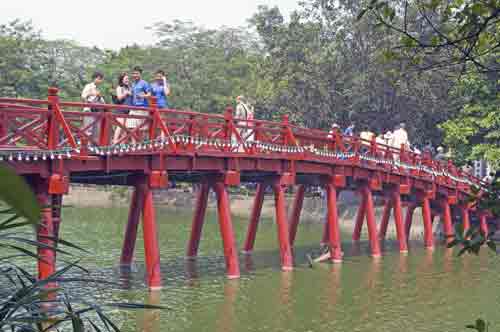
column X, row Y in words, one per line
column 16, row 192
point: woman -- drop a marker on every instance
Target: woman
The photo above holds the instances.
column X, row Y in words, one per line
column 123, row 97
column 160, row 89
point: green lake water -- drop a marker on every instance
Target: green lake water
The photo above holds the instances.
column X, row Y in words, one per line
column 423, row 291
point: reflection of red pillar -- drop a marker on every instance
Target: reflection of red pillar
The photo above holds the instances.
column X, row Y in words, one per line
column 409, row 220
column 427, row 216
column 56, row 213
column 359, row 219
column 282, row 223
column 150, row 234
column 370, row 220
column 198, row 219
column 398, row 220
column 134, row 215
column 297, row 208
column 465, row 218
column 333, row 223
column 226, row 230
column 447, row 226
column 254, row 218
column 483, row 224
column 385, row 218
column 325, row 239
column 46, row 263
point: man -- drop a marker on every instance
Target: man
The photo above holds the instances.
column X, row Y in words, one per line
column 400, row 137
column 349, row 131
column 244, row 111
column 440, row 156
column 140, row 88
column 91, row 94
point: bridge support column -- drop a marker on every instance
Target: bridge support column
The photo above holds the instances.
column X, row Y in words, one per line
column 385, row 217
column 359, row 219
column 296, row 210
column 136, row 205
column 333, row 224
column 409, row 220
column 483, row 223
column 47, row 261
column 464, row 211
column 198, row 220
column 428, row 218
column 282, row 225
column 398, row 220
column 447, row 224
column 226, row 229
column 150, row 233
column 254, row 218
column 370, row 221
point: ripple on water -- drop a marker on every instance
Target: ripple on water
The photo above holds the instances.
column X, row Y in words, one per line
column 424, row 291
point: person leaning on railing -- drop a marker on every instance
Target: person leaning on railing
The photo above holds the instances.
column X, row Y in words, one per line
column 123, row 97
column 91, row 94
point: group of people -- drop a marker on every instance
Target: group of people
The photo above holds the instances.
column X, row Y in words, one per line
column 131, row 93
column 396, row 138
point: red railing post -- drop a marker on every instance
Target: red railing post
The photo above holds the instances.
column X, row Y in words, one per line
column 282, row 226
column 105, row 127
column 134, row 216
column 427, row 217
column 398, row 219
column 385, row 217
column 53, row 128
column 45, row 230
column 153, row 106
column 285, row 129
column 228, row 126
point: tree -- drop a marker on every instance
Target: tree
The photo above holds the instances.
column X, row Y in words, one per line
column 449, row 32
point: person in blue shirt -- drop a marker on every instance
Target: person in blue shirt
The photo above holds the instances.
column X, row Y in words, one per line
column 140, row 93
column 140, row 89
column 160, row 89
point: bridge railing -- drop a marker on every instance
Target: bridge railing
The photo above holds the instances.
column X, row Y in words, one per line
column 52, row 125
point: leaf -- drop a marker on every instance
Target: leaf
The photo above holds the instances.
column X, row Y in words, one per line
column 361, row 14
column 492, row 246
column 16, row 193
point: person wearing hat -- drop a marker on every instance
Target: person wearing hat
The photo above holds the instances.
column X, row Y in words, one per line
column 400, row 137
column 440, row 156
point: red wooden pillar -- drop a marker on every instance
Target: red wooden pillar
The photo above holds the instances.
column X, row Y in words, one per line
column 136, row 205
column 46, row 263
column 409, row 219
column 254, row 218
column 198, row 220
column 398, row 220
column 428, row 218
column 333, row 223
column 282, row 223
column 150, row 233
column 297, row 208
column 370, row 221
column 483, row 223
column 447, row 224
column 359, row 219
column 464, row 211
column 226, row 229
column 385, row 217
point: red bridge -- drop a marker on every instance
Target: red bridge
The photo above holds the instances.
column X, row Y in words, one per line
column 49, row 143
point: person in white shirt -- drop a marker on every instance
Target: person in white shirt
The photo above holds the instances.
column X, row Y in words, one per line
column 244, row 111
column 400, row 137
column 91, row 94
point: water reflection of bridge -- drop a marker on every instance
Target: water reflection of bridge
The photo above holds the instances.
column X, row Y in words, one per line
column 49, row 143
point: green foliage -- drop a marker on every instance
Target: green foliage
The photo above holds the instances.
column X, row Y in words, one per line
column 475, row 132
column 17, row 194
column 449, row 32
